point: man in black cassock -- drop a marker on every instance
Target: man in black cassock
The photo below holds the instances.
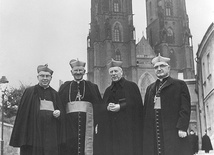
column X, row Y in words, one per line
column 206, row 143
column 39, row 125
column 122, row 127
column 167, row 110
column 80, row 99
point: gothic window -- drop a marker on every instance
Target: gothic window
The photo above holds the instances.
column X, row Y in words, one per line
column 208, row 64
column 173, row 60
column 168, row 8
column 168, row 12
column 145, row 80
column 118, row 55
column 169, row 32
column 117, row 33
column 170, row 36
column 116, row 6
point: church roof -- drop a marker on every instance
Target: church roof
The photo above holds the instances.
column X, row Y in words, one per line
column 143, row 49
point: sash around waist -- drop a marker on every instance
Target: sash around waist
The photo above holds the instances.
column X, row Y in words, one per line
column 78, row 106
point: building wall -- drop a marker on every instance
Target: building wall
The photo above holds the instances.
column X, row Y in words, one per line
column 205, row 69
column 8, row 150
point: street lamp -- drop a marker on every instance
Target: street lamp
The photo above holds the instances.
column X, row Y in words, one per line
column 3, row 80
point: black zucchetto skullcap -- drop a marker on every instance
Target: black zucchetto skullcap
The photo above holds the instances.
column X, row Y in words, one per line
column 73, row 63
column 44, row 68
column 114, row 63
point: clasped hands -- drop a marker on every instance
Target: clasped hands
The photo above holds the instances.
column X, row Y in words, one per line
column 56, row 113
column 113, row 107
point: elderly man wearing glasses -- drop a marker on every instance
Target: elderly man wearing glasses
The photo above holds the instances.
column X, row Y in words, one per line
column 167, row 110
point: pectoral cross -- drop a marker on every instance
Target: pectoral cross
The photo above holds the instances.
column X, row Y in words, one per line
column 78, row 97
column 157, row 102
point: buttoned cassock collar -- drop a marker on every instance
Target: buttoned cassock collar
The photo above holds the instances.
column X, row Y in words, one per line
column 169, row 82
column 119, row 82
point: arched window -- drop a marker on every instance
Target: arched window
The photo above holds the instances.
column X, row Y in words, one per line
column 169, row 8
column 145, row 80
column 170, row 35
column 116, row 6
column 117, row 32
column 118, row 55
column 173, row 61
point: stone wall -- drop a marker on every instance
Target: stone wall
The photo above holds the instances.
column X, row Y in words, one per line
column 8, row 150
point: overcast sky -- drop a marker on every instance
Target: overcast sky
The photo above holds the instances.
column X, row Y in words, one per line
column 34, row 32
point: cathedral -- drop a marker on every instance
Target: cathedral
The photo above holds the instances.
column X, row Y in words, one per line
column 112, row 35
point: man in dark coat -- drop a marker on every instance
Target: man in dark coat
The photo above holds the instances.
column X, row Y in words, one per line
column 39, row 125
column 206, row 143
column 167, row 110
column 80, row 99
column 123, row 124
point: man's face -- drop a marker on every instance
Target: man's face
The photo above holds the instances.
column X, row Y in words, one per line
column 44, row 78
column 78, row 72
column 162, row 70
column 115, row 73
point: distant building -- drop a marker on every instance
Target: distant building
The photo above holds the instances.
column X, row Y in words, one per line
column 205, row 82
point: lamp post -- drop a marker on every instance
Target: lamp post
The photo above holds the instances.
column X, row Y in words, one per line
column 3, row 80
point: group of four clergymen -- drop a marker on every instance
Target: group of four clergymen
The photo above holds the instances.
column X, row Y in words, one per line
column 76, row 120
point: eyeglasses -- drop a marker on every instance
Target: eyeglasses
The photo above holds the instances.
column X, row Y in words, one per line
column 43, row 76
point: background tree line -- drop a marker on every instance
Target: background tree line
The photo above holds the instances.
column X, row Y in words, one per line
column 11, row 102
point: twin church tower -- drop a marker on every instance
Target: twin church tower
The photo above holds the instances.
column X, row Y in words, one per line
column 112, row 35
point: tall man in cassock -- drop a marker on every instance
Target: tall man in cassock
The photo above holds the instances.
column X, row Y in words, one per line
column 122, row 127
column 39, row 125
column 80, row 99
column 167, row 110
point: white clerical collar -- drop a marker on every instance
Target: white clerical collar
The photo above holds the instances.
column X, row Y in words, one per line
column 163, row 78
column 78, row 81
column 44, row 87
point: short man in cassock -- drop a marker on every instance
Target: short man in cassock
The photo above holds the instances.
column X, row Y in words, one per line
column 79, row 98
column 167, row 110
column 122, row 127
column 39, row 125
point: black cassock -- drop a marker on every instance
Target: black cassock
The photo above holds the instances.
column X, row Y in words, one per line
column 76, row 121
column 36, row 131
column 121, row 131
column 161, row 125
